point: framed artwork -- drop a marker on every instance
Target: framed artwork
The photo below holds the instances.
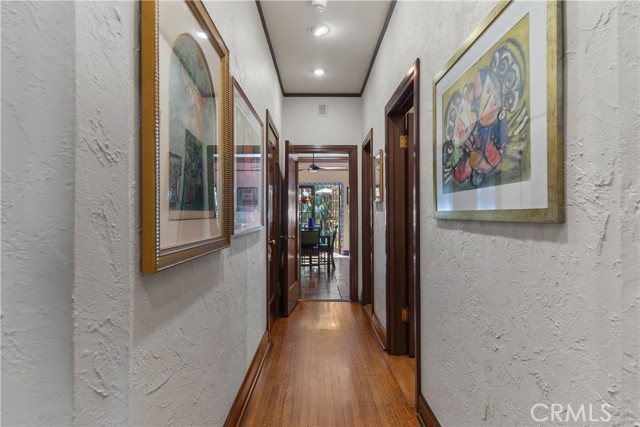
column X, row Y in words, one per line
column 378, row 176
column 498, row 147
column 248, row 173
column 186, row 150
column 247, row 196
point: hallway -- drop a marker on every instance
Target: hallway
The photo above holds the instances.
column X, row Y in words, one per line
column 325, row 368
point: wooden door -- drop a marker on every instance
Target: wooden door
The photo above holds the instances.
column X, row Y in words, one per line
column 403, row 218
column 397, row 227
column 273, row 223
column 367, row 220
column 290, row 231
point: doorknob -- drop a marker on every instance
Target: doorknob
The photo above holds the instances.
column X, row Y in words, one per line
column 272, row 242
column 288, row 237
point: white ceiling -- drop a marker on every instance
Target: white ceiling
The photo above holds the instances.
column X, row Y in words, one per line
column 345, row 53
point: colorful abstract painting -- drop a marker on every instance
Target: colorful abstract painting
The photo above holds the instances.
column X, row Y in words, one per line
column 191, row 123
column 486, row 139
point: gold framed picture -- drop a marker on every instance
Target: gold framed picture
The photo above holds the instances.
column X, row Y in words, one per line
column 498, row 143
column 186, row 156
column 378, row 176
column 248, row 172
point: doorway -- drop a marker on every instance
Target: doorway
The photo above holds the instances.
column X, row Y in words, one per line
column 403, row 221
column 328, row 195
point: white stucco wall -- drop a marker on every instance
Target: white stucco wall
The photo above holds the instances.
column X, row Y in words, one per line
column 196, row 327
column 38, row 148
column 303, row 126
column 516, row 314
column 169, row 348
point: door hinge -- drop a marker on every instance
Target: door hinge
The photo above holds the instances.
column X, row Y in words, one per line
column 404, row 314
column 404, row 141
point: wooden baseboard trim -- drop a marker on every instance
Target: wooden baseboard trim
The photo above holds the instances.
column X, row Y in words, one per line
column 381, row 333
column 244, row 394
column 425, row 415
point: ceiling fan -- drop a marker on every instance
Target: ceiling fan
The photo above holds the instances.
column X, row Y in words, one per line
column 315, row 168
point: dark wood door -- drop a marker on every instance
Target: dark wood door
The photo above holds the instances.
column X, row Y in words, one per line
column 273, row 223
column 367, row 221
column 397, row 275
column 289, row 236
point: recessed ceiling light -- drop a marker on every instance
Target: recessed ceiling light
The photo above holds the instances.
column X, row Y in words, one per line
column 201, row 35
column 320, row 30
column 318, row 72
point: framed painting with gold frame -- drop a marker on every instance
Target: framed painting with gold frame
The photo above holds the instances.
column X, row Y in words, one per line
column 186, row 146
column 497, row 114
column 248, row 171
column 378, row 176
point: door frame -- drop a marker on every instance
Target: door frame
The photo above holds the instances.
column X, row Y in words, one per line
column 367, row 228
column 407, row 91
column 276, row 215
column 352, row 151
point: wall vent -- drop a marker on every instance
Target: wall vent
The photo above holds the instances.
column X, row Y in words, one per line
column 323, row 109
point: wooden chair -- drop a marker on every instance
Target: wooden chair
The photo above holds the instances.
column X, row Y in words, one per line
column 309, row 247
column 327, row 249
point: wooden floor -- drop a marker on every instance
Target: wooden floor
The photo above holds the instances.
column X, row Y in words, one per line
column 326, row 368
column 319, row 284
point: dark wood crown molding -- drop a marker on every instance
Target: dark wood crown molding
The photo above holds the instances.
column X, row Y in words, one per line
column 392, row 6
column 266, row 34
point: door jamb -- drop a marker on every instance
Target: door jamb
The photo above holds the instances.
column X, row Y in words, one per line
column 352, row 151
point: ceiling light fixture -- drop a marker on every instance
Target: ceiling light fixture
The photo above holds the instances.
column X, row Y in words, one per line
column 320, row 30
column 201, row 35
column 319, row 5
column 318, row 72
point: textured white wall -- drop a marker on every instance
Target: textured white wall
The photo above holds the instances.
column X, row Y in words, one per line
column 196, row 327
column 106, row 207
column 340, row 127
column 170, row 348
column 37, row 212
column 515, row 314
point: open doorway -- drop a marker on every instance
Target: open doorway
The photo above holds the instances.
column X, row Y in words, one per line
column 327, row 218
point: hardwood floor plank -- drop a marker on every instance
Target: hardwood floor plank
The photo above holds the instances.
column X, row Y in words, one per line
column 325, row 368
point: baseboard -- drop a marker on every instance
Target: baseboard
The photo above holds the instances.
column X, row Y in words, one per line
column 425, row 415
column 381, row 333
column 244, row 394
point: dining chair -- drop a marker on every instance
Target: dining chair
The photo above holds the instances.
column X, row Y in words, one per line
column 309, row 247
column 327, row 249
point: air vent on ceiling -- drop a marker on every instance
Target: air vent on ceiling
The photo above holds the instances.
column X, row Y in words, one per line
column 323, row 109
